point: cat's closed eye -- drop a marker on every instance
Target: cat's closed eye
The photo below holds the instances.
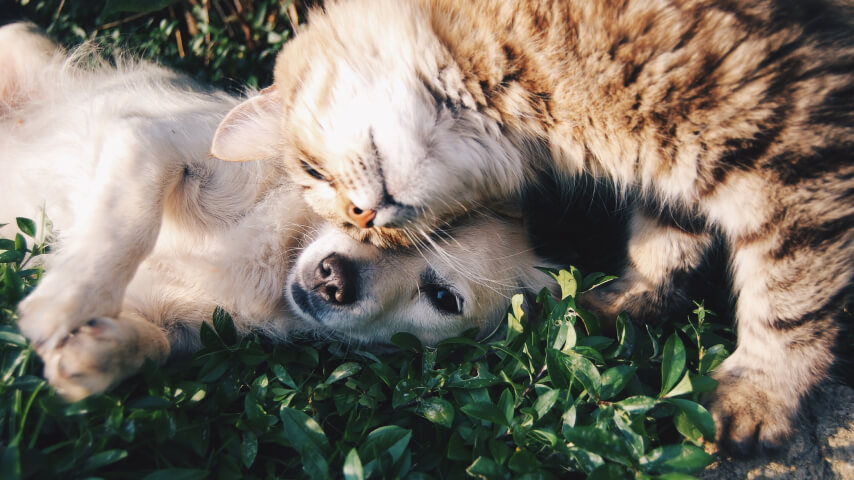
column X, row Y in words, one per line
column 312, row 171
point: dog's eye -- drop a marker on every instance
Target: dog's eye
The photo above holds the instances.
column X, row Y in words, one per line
column 312, row 171
column 443, row 298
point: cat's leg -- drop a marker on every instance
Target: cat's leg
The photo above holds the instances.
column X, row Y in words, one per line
column 102, row 352
column 115, row 229
column 662, row 253
column 793, row 282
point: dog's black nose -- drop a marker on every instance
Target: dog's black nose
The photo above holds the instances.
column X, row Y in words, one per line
column 335, row 280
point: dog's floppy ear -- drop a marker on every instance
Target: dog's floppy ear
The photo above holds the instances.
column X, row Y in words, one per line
column 250, row 131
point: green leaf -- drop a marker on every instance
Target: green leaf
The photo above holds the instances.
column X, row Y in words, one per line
column 208, row 336
column 248, row 449
column 11, row 337
column 27, row 226
column 178, row 474
column 307, row 438
column 353, row 466
column 485, row 468
column 482, row 378
column 6, row 244
column 514, row 318
column 557, row 368
column 684, row 386
column 567, row 282
column 13, row 286
column 523, row 461
column 388, row 442
column 569, row 417
column 693, row 418
column 545, row 436
column 591, row 322
column 692, row 384
column 545, row 401
column 486, row 411
column 149, row 402
column 283, row 376
column 505, row 404
column 638, row 404
column 516, row 306
column 10, row 462
column 609, row 471
column 224, row 326
column 626, row 337
column 134, row 6
column 438, row 411
column 252, row 355
column 584, row 371
column 407, row 342
column 712, row 357
column 11, row 256
column 499, row 449
column 102, row 459
column 621, row 421
column 595, row 279
column 703, row 384
column 672, row 363
column 601, row 442
column 676, row 458
column 615, row 379
column 20, row 243
column 343, row 371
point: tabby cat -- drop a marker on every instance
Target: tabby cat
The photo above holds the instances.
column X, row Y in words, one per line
column 731, row 118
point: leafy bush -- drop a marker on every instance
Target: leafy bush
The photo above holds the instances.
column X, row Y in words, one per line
column 546, row 397
column 225, row 43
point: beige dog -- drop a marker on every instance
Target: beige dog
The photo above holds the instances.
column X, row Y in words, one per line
column 151, row 233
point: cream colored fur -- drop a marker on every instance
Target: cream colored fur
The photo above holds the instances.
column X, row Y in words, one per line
column 151, row 234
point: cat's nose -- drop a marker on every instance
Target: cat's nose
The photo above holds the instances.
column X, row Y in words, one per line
column 362, row 218
column 335, row 280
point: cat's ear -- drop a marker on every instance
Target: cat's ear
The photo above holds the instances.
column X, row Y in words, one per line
column 251, row 130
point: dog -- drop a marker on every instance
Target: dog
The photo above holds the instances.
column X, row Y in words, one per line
column 150, row 233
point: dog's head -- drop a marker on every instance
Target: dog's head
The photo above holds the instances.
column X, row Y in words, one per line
column 446, row 285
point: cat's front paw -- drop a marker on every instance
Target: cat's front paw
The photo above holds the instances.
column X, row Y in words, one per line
column 749, row 416
column 92, row 358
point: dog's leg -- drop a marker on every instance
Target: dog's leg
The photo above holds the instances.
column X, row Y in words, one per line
column 138, row 164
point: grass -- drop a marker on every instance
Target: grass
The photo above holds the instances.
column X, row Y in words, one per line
column 550, row 397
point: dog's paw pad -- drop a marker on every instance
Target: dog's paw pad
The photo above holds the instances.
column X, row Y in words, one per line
column 89, row 360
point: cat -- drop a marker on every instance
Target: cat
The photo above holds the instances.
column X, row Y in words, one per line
column 151, row 234
column 717, row 118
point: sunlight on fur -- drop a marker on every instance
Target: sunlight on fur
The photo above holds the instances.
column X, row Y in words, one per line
column 151, row 233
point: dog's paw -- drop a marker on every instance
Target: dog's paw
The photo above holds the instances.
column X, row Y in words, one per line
column 56, row 308
column 92, row 358
column 748, row 417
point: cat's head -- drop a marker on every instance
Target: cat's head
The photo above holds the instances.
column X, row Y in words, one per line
column 376, row 126
column 358, row 292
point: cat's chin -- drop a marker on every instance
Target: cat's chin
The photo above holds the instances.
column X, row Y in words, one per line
column 410, row 234
column 382, row 237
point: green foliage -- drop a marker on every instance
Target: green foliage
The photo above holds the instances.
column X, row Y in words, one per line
column 549, row 395
column 225, row 43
